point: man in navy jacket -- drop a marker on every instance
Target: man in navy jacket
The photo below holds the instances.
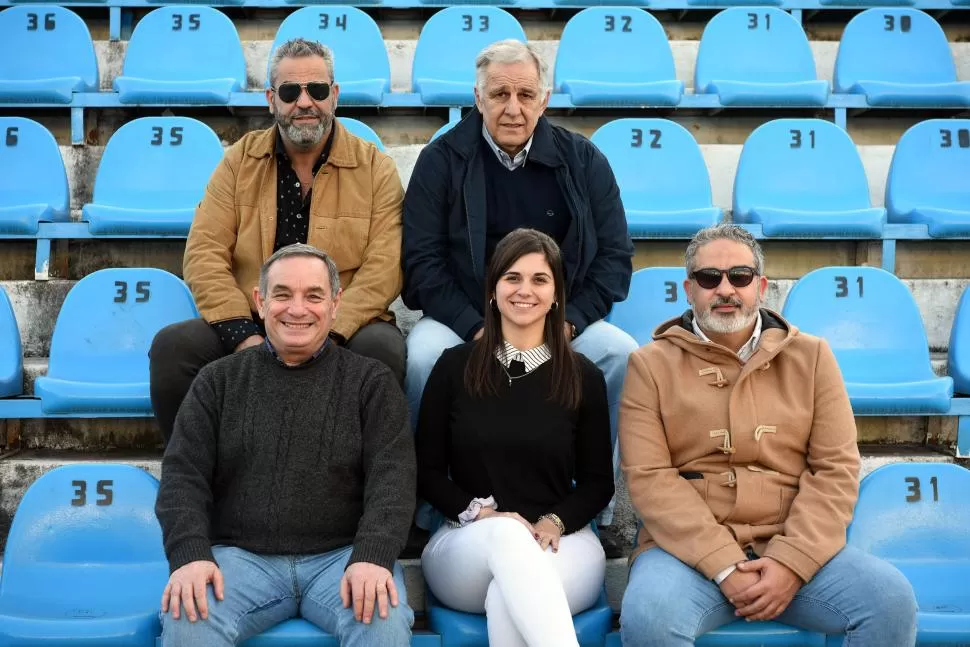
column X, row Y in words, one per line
column 502, row 167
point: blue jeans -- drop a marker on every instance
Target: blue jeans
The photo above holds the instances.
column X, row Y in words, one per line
column 262, row 591
column 669, row 603
column 603, row 343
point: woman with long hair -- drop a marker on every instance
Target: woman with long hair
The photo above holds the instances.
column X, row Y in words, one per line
column 513, row 446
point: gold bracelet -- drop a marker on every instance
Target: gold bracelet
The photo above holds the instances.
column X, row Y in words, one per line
column 556, row 520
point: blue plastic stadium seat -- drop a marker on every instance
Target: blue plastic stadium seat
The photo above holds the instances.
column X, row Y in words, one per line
column 11, row 352
column 300, row 633
column 99, row 350
column 928, row 179
column 360, row 56
column 871, row 321
column 958, row 360
column 293, row 633
column 363, row 131
column 757, row 57
column 441, row 131
column 917, row 516
column 663, row 180
column 444, row 59
column 84, row 563
column 804, row 177
column 153, row 174
column 616, row 57
column 607, row 3
column 762, row 634
column 909, row 64
column 33, row 182
column 656, row 295
column 182, row 54
column 458, row 629
column 63, row 61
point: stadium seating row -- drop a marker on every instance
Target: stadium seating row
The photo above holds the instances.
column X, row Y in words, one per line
column 80, row 530
column 607, row 57
column 99, row 349
column 152, row 175
column 795, row 178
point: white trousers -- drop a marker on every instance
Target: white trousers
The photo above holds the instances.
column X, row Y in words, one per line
column 528, row 596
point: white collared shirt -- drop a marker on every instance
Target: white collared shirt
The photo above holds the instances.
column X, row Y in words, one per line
column 532, row 359
column 509, row 162
column 749, row 347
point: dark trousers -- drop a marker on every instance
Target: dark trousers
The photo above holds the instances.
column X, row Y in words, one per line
column 179, row 352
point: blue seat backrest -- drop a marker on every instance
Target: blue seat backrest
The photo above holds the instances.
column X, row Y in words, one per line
column 914, row 512
column 931, row 167
column 100, row 516
column 614, row 45
column 759, row 44
column 157, row 163
column 33, row 169
column 900, row 45
column 185, row 43
column 958, row 359
column 800, row 164
column 108, row 321
column 441, row 131
column 353, row 37
column 362, row 130
column 47, row 42
column 868, row 317
column 656, row 295
column 11, row 352
column 657, row 163
column 452, row 38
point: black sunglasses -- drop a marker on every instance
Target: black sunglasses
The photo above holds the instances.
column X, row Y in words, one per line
column 290, row 91
column 709, row 278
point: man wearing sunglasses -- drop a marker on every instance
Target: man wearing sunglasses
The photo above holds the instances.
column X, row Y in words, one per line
column 304, row 180
column 739, row 448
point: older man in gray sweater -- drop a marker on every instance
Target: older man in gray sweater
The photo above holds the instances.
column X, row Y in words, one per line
column 289, row 483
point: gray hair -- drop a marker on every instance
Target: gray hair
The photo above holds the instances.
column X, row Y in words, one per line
column 505, row 52
column 300, row 48
column 299, row 249
column 724, row 231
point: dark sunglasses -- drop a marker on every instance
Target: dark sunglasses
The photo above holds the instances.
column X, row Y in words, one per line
column 709, row 278
column 290, row 91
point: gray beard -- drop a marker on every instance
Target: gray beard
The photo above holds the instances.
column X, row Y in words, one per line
column 305, row 136
column 721, row 325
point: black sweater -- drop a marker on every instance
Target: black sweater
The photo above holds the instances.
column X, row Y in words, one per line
column 289, row 460
column 517, row 446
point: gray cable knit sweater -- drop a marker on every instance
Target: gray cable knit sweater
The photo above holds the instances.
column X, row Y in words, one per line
column 289, row 460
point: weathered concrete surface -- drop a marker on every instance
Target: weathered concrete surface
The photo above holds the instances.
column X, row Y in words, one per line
column 18, row 472
column 35, row 305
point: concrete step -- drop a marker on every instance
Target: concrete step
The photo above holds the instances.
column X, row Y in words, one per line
column 19, row 471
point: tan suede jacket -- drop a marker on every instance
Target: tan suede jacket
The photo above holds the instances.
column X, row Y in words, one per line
column 355, row 216
column 774, row 441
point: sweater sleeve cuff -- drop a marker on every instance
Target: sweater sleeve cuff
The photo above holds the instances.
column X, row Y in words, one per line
column 190, row 550
column 374, row 551
column 576, row 318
